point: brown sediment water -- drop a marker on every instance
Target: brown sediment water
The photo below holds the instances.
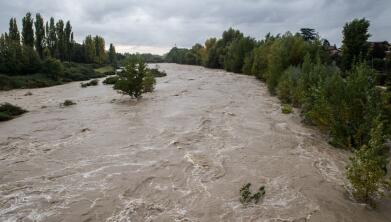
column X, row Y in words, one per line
column 181, row 153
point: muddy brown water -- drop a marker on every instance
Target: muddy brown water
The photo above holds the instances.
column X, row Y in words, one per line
column 179, row 154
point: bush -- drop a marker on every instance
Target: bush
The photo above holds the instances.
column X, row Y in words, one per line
column 94, row 82
column 246, row 196
column 156, row 73
column 67, row 103
column 367, row 169
column 109, row 73
column 149, row 82
column 287, row 87
column 79, row 72
column 110, row 80
column 286, row 109
column 9, row 111
column 53, row 68
column 5, row 116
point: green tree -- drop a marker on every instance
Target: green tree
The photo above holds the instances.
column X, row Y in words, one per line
column 130, row 81
column 237, row 51
column 27, row 32
column 53, row 68
column 355, row 42
column 309, row 34
column 68, row 41
column 100, row 53
column 14, row 34
column 61, row 40
column 112, row 56
column 51, row 37
column 89, row 49
column 366, row 170
column 39, row 34
column 149, row 82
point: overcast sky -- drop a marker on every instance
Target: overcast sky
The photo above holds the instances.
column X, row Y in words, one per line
column 157, row 25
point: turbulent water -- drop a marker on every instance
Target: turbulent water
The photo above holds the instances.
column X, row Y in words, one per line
column 181, row 153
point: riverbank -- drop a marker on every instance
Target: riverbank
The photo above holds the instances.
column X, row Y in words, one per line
column 72, row 72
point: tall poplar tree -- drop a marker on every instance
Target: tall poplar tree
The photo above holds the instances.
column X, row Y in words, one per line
column 68, row 40
column 61, row 44
column 112, row 56
column 39, row 34
column 27, row 31
column 51, row 37
column 14, row 31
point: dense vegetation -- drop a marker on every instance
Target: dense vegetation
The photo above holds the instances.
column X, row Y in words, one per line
column 45, row 54
column 9, row 111
column 336, row 92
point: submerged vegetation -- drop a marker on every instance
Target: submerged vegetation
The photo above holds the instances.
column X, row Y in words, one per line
column 111, row 80
column 286, row 109
column 93, row 82
column 9, row 111
column 247, row 197
column 67, row 102
column 335, row 91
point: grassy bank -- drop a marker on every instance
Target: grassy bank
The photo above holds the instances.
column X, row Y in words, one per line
column 71, row 72
column 104, row 69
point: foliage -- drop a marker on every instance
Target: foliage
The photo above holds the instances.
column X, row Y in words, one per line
column 67, row 103
column 366, row 170
column 148, row 82
column 9, row 111
column 53, row 68
column 246, row 196
column 309, row 34
column 110, row 80
column 286, row 109
column 105, row 69
column 237, row 51
column 93, row 82
column 130, row 81
column 156, row 72
column 355, row 44
column 112, row 56
column 29, row 54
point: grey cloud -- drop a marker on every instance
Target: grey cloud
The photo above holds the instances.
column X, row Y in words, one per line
column 162, row 24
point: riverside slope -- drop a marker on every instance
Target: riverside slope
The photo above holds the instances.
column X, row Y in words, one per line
column 179, row 154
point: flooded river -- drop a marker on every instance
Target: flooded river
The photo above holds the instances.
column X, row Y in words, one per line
column 179, row 154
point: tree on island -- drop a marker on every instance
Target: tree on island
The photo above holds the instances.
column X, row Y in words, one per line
column 135, row 79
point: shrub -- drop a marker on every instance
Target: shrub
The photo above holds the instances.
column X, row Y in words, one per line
column 67, row 103
column 110, row 80
column 156, row 73
column 286, row 109
column 9, row 111
column 287, row 87
column 5, row 116
column 366, row 171
column 94, row 82
column 109, row 73
column 53, row 68
column 246, row 196
column 149, row 82
column 79, row 72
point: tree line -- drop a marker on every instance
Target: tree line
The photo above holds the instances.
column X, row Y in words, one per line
column 338, row 92
column 39, row 44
